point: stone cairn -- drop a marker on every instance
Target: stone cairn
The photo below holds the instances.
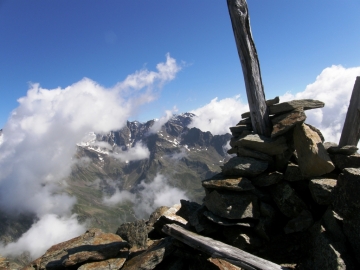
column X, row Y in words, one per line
column 291, row 199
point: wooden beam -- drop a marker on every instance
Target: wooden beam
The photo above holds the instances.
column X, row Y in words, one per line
column 217, row 249
column 240, row 21
column 350, row 134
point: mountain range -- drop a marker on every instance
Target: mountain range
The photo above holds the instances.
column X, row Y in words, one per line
column 127, row 162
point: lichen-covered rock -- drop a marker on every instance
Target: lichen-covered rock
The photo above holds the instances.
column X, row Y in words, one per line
column 321, row 190
column 284, row 122
column 243, row 166
column 234, row 183
column 230, row 205
column 151, row 257
column 109, row 264
column 313, row 159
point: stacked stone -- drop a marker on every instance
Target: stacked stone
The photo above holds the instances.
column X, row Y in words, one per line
column 273, row 196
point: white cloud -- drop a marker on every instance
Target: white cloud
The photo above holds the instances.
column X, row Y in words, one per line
column 40, row 137
column 155, row 194
column 333, row 86
column 179, row 155
column 151, row 196
column 160, row 122
column 138, row 152
column 218, row 115
column 49, row 229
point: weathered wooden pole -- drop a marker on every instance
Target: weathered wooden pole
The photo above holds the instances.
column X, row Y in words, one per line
column 240, row 21
column 350, row 134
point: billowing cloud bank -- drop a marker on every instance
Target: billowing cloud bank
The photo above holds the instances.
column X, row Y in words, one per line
column 333, row 86
column 219, row 115
column 39, row 142
column 151, row 196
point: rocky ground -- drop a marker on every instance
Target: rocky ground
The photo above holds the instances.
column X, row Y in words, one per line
column 289, row 201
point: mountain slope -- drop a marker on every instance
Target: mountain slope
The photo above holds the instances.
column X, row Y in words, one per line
column 181, row 155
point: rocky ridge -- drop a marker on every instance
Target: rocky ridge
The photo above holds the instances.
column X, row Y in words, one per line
column 291, row 199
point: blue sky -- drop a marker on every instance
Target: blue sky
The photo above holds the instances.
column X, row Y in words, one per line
column 57, row 43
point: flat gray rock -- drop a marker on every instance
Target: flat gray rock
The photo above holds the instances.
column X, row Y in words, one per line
column 267, row 179
column 232, row 206
column 237, row 130
column 293, row 173
column 321, row 190
column 226, row 222
column 234, row 183
column 243, row 166
column 268, row 103
column 284, row 122
column 345, row 150
column 245, row 152
column 263, row 144
column 287, row 200
column 301, row 223
column 307, row 104
column 344, row 161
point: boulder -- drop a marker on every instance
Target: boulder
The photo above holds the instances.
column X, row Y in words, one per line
column 301, row 223
column 227, row 222
column 267, row 179
column 343, row 161
column 313, row 159
column 263, row 144
column 235, row 183
column 284, row 122
column 170, row 217
column 244, row 166
column 230, row 205
column 287, row 200
column 307, row 104
column 245, row 152
column 317, row 131
column 345, row 150
column 321, row 190
column 293, row 173
column 135, row 233
column 94, row 245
